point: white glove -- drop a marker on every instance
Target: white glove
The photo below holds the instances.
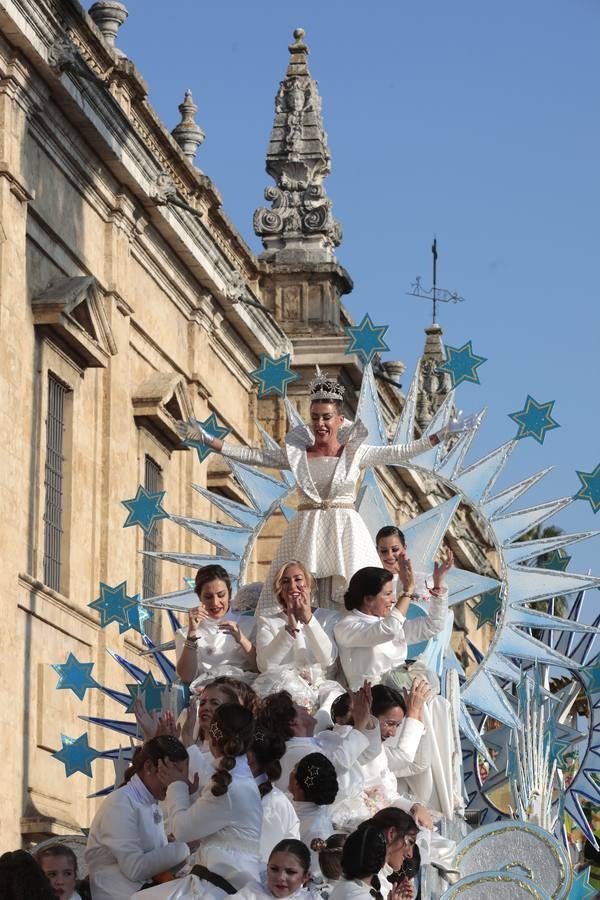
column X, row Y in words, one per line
column 193, row 431
column 459, row 425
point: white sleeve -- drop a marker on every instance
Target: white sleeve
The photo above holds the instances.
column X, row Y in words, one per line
column 390, row 454
column 206, row 815
column 353, row 632
column 118, row 831
column 373, row 735
column 256, row 456
column 402, row 751
column 421, row 629
column 343, row 747
column 273, row 643
column 323, row 648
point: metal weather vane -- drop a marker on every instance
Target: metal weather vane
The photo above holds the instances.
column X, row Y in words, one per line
column 435, row 294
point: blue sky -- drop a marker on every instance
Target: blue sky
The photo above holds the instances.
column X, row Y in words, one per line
column 473, row 121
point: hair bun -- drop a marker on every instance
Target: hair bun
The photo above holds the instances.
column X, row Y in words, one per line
column 318, row 844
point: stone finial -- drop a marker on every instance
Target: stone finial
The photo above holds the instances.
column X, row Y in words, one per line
column 433, row 385
column 108, row 16
column 299, row 227
column 188, row 134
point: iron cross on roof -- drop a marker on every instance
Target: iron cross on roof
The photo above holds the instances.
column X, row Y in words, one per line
column 435, row 294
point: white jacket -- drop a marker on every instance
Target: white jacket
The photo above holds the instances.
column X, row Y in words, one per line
column 229, row 826
column 369, row 646
column 342, row 747
column 127, row 846
column 313, row 646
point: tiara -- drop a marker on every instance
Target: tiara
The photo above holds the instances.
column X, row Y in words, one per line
column 323, row 388
column 215, row 731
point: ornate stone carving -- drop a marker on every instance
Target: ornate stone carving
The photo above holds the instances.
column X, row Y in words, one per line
column 188, row 134
column 299, row 224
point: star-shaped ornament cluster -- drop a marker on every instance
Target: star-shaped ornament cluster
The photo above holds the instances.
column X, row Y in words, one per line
column 590, row 487
column 534, row 420
column 145, row 509
column 211, row 425
column 75, row 676
column 462, row 364
column 76, row 755
column 114, row 605
column 556, row 561
column 151, row 692
column 366, row 339
column 273, row 375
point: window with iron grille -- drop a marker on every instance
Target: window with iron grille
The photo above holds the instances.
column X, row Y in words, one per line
column 152, row 483
column 54, row 480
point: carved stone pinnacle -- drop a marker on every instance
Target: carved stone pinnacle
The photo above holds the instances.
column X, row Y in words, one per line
column 188, row 134
column 108, row 16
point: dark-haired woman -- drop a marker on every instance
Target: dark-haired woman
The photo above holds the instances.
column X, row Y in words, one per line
column 314, row 786
column 227, row 816
column 279, row 818
column 371, row 639
column 216, row 637
column 363, row 858
column 400, row 832
column 127, row 845
column 287, row 875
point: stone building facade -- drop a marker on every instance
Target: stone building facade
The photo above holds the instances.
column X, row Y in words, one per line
column 128, row 300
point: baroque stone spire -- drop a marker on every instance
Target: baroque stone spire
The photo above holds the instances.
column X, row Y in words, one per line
column 433, row 385
column 299, row 226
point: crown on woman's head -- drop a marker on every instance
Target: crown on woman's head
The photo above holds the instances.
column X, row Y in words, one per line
column 323, row 388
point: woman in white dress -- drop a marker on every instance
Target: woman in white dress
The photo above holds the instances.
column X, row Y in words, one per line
column 279, row 817
column 400, row 832
column 227, row 816
column 327, row 460
column 216, row 637
column 296, row 649
column 363, row 858
column 127, row 845
column 287, row 875
column 313, row 785
column 372, row 639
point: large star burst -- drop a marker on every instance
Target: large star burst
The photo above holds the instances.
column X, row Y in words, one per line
column 505, row 599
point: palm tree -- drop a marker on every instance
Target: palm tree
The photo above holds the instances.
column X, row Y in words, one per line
column 557, row 605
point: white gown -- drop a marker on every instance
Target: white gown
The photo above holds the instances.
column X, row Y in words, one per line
column 215, row 648
column 279, row 821
column 315, row 822
column 327, row 534
column 127, row 844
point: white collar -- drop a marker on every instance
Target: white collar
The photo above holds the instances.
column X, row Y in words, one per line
column 366, row 616
column 138, row 791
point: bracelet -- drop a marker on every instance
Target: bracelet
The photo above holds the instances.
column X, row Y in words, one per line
column 436, row 591
column 190, row 643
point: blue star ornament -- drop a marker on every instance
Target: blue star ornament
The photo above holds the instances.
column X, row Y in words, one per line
column 212, row 426
column 557, row 561
column 581, row 889
column 590, row 487
column 462, row 364
column 136, row 616
column 591, row 676
column 75, row 676
column 487, row 608
column 76, row 755
column 366, row 339
column 534, row 420
column 114, row 605
column 144, row 509
column 273, row 375
column 150, row 690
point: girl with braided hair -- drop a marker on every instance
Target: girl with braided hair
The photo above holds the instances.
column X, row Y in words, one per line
column 279, row 817
column 314, row 786
column 363, row 858
column 227, row 815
